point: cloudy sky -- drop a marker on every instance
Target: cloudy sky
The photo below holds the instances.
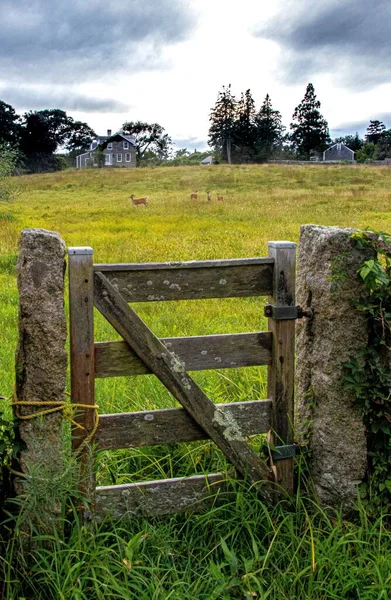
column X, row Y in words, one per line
column 110, row 61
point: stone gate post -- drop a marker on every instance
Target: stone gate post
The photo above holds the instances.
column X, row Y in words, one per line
column 41, row 358
column 327, row 418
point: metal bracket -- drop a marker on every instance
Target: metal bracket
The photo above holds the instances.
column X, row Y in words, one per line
column 283, row 452
column 287, row 313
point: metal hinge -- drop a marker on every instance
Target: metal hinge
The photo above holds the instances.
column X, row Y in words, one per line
column 282, row 452
column 287, row 313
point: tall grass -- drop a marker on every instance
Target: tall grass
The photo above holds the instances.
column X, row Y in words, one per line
column 242, row 549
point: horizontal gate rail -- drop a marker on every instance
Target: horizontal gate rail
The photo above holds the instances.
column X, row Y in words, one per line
column 174, row 425
column 161, row 497
column 151, row 282
column 197, row 353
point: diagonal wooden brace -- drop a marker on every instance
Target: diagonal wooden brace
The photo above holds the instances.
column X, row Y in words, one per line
column 224, row 431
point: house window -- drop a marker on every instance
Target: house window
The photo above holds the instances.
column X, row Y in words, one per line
column 127, row 157
column 119, row 157
column 107, row 159
column 110, row 146
column 126, row 145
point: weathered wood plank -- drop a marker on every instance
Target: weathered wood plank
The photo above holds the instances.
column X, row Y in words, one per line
column 197, row 353
column 81, row 307
column 174, row 425
column 281, row 372
column 194, row 280
column 167, row 367
column 162, row 497
column 179, row 265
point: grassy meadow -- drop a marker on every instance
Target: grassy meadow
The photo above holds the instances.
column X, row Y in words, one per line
column 243, row 549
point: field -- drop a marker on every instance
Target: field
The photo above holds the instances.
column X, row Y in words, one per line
column 244, row 549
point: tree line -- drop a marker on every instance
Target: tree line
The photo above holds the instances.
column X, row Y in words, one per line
column 36, row 136
column 239, row 133
column 49, row 139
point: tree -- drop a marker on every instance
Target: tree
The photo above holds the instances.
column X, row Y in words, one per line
column 8, row 160
column 44, row 131
column 269, row 130
column 10, row 126
column 79, row 136
column 245, row 130
column 383, row 146
column 366, row 153
column 222, row 128
column 148, row 137
column 309, row 129
column 374, row 131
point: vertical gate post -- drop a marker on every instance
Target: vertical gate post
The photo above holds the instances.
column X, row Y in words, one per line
column 281, row 371
column 40, row 369
column 81, row 309
column 329, row 422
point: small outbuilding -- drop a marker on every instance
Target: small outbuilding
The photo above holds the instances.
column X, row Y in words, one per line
column 338, row 152
column 207, row 161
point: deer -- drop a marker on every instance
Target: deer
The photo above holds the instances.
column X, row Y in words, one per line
column 220, row 198
column 136, row 201
column 209, row 195
column 193, row 195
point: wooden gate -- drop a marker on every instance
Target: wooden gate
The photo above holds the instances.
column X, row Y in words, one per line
column 110, row 288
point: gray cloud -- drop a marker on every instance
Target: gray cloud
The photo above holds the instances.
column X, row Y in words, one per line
column 79, row 40
column 191, row 143
column 360, row 126
column 349, row 39
column 32, row 98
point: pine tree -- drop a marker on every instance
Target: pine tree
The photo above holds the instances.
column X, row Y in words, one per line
column 245, row 130
column 222, row 118
column 374, row 131
column 310, row 131
column 269, row 130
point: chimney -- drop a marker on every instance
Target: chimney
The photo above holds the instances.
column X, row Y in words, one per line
column 108, row 132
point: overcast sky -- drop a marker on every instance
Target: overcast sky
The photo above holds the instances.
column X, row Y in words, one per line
column 109, row 61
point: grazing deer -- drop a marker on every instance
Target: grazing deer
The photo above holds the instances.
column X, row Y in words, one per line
column 209, row 196
column 137, row 201
column 220, row 198
column 193, row 195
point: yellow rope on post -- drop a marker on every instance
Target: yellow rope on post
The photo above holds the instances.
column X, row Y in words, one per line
column 66, row 408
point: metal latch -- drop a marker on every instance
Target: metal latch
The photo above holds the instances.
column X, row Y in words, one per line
column 287, row 313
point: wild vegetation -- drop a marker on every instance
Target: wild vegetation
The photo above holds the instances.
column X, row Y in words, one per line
column 243, row 549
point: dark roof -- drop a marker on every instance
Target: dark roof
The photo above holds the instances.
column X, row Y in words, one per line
column 103, row 140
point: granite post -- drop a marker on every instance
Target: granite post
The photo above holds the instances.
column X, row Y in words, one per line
column 41, row 361
column 328, row 421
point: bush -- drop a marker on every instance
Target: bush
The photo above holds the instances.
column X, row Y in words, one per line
column 8, row 159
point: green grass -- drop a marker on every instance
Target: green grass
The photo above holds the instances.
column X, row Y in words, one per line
column 243, row 549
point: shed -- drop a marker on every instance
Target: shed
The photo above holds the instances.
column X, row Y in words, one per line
column 207, row 161
column 338, row 152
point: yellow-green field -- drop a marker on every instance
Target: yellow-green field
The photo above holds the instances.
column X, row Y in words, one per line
column 245, row 549
column 261, row 203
